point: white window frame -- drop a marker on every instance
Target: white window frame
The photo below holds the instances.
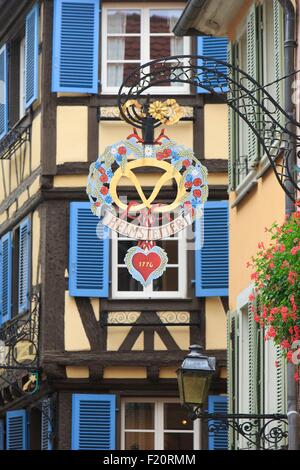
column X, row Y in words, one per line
column 145, row 45
column 148, row 292
column 158, row 430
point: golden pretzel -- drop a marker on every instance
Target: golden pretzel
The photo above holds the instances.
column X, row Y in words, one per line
column 170, row 173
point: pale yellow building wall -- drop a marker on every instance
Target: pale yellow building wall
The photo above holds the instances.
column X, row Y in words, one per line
column 112, row 131
column 36, row 237
column 76, row 372
column 216, row 131
column 260, row 208
column 75, row 336
column 72, row 128
column 36, row 141
column 215, row 323
column 125, row 373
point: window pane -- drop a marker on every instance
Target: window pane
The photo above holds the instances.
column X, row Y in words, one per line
column 163, row 21
column 175, row 417
column 164, row 76
column 161, row 46
column 126, row 282
column 126, row 48
column 139, row 416
column 123, row 247
column 171, row 248
column 123, row 21
column 116, row 73
column 168, row 281
column 177, row 441
column 139, row 441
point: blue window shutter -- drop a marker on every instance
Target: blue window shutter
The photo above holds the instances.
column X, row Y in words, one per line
column 88, row 253
column 3, row 92
column 16, row 430
column 46, row 425
column 93, row 422
column 5, row 277
column 75, row 46
column 24, row 265
column 213, row 257
column 215, row 48
column 31, row 55
column 217, row 440
column 1, row 434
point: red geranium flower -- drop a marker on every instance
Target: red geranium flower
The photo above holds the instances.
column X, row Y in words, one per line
column 197, row 193
column 186, row 163
column 103, row 178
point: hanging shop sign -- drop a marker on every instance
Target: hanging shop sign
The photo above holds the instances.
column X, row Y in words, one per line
column 145, row 219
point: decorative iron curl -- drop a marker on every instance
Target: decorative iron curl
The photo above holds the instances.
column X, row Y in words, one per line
column 262, row 432
column 267, row 121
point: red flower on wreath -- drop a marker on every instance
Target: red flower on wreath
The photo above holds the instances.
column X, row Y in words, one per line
column 122, row 150
column 197, row 182
column 104, row 190
column 104, row 178
column 197, row 193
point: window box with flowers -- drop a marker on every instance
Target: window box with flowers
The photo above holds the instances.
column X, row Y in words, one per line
column 276, row 278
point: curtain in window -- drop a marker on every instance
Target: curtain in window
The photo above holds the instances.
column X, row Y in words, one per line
column 117, row 24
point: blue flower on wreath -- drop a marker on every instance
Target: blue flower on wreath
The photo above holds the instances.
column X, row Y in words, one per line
column 119, row 158
column 109, row 173
column 194, row 202
column 97, row 165
column 175, row 158
column 108, row 199
column 189, row 178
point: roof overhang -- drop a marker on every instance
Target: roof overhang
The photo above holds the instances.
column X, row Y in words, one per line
column 209, row 17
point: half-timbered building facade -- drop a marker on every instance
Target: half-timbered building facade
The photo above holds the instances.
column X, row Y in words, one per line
column 88, row 356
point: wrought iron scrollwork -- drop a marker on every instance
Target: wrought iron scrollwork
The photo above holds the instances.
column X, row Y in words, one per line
column 19, row 351
column 14, row 139
column 253, row 431
column 275, row 130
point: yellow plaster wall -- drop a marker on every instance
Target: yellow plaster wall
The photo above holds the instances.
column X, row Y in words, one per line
column 116, row 335
column 75, row 372
column 261, row 207
column 112, row 131
column 75, row 337
column 217, row 178
column 216, row 131
column 36, row 141
column 36, row 236
column 69, row 181
column 125, row 373
column 71, row 134
column 215, row 323
column 167, row 372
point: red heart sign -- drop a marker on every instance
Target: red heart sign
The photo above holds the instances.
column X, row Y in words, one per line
column 146, row 264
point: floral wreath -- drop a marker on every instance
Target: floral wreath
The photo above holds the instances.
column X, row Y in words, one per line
column 194, row 174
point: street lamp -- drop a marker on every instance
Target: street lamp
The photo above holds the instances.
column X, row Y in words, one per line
column 261, row 431
column 194, row 377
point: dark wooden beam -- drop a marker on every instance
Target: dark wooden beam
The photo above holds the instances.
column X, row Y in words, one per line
column 54, row 235
column 48, row 99
column 116, row 358
column 93, row 132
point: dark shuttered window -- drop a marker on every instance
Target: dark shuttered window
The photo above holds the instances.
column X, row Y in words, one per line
column 212, row 253
column 75, row 46
column 93, row 422
column 212, row 74
column 89, row 253
column 217, row 439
